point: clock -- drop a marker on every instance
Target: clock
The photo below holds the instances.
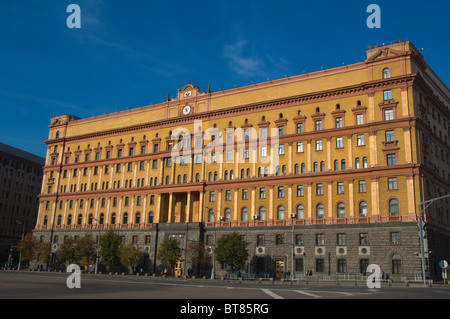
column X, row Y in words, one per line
column 186, row 109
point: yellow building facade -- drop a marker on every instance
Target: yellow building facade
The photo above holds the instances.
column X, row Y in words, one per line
column 341, row 149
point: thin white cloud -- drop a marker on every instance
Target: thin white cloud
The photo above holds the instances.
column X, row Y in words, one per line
column 240, row 60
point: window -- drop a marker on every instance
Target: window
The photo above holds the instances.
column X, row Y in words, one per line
column 388, row 114
column 360, row 119
column 390, row 159
column 360, row 140
column 263, row 151
column 319, row 211
column 393, row 207
column 300, row 212
column 318, row 145
column 319, row 189
column 341, row 210
column 262, row 193
column 281, row 149
column 281, row 131
column 227, row 215
column 280, row 191
column 362, row 186
column 299, row 190
column 386, row 73
column 262, row 213
column 211, row 215
column 363, row 239
column 338, row 122
column 228, row 195
column 390, row 136
column 300, row 147
column 280, row 213
column 318, row 125
column 211, row 196
column 340, row 240
column 357, row 163
column 392, row 183
column 363, row 209
column 339, row 142
column 343, row 164
column 341, row 266
column 245, row 193
column 320, row 265
column 320, row 239
column 244, row 214
column 279, row 239
column 395, row 238
column 340, row 187
column 299, row 128
column 259, row 240
column 387, row 95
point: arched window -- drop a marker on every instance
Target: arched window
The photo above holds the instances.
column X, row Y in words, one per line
column 386, row 73
column 343, row 164
column 210, row 176
column 227, row 215
column 226, row 175
column 300, row 212
column 248, row 173
column 280, row 213
column 137, row 219
column 167, row 180
column 211, row 215
column 244, row 214
column 319, row 211
column 197, row 177
column 363, row 209
column 57, row 134
column 150, row 218
column 185, row 178
column 90, row 219
column 102, row 218
column 340, row 210
column 364, row 162
column 393, row 207
column 125, row 218
column 45, row 220
column 303, row 168
column 242, row 173
column 262, row 213
column 315, row 167
column 357, row 163
column 59, row 219
column 69, row 220
column 231, row 175
column 80, row 219
column 322, row 166
column 296, row 171
column 215, row 176
column 283, row 170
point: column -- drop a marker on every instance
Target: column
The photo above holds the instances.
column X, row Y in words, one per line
column 188, row 208
column 373, row 148
column 350, row 151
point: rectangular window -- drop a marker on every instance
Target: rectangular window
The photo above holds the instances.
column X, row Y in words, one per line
column 299, row 239
column 260, row 240
column 227, row 195
column 341, row 266
column 360, row 140
column 279, row 239
column 388, row 114
column 395, row 238
column 340, row 187
column 281, row 149
column 362, row 186
column 318, row 145
column 211, row 196
column 262, row 193
column 299, row 190
column 387, row 95
column 280, row 192
column 390, row 136
column 263, row 151
column 338, row 122
column 341, row 241
column 390, row 159
column 392, row 183
column 245, row 193
column 320, row 265
column 360, row 119
column 300, row 147
column 299, row 128
column 318, row 125
column 320, row 239
column 319, row 189
column 339, row 142
column 281, row 131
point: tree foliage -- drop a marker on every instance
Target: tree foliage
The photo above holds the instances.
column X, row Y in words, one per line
column 169, row 253
column 129, row 255
column 28, row 247
column 232, row 250
column 109, row 248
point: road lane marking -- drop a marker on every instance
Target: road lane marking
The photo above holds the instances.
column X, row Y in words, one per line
column 308, row 294
column 272, row 294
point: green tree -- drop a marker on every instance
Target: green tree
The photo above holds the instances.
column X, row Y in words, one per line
column 199, row 255
column 28, row 247
column 44, row 253
column 232, row 250
column 169, row 253
column 109, row 248
column 85, row 250
column 67, row 253
column 129, row 255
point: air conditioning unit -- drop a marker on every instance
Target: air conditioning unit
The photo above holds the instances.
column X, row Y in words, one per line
column 147, row 248
column 260, row 250
column 55, row 247
column 319, row 251
column 364, row 251
column 341, row 251
column 299, row 250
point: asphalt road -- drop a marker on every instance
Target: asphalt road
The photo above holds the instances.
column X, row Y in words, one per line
column 224, row 299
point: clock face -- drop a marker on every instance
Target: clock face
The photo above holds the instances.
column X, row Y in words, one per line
column 186, row 109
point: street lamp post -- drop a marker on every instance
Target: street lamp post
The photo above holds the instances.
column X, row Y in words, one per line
column 293, row 216
column 23, row 234
column 421, row 224
column 213, row 271
column 98, row 247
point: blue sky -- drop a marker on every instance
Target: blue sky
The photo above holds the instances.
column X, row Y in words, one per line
column 133, row 53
